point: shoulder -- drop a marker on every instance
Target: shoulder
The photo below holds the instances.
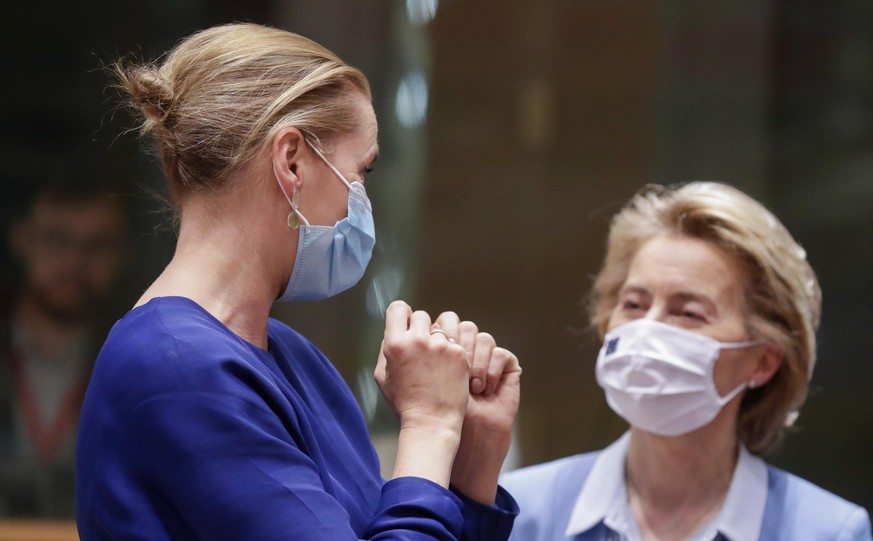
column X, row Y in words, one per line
column 563, row 473
column 811, row 512
column 546, row 494
column 164, row 321
column 166, row 345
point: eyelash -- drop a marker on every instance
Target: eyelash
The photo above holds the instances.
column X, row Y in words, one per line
column 635, row 305
column 631, row 305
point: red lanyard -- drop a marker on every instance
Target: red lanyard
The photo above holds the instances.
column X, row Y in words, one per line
column 46, row 440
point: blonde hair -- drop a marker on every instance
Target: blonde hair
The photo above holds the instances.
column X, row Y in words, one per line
column 221, row 94
column 781, row 294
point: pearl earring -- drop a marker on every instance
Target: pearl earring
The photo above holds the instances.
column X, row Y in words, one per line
column 752, row 384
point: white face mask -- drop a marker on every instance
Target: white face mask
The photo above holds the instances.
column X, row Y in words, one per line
column 659, row 378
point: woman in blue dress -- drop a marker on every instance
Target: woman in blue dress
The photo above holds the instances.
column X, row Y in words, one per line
column 206, row 419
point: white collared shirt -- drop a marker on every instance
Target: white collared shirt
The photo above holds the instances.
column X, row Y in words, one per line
column 604, row 498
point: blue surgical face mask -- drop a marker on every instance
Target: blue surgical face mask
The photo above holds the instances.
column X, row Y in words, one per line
column 332, row 258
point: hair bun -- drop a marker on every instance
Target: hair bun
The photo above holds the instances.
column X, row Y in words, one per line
column 149, row 91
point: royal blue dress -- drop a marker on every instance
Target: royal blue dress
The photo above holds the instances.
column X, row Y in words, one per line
column 189, row 432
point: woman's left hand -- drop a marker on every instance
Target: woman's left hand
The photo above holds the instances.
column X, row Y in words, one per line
column 491, row 408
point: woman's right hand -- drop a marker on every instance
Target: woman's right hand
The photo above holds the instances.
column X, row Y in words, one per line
column 423, row 376
column 425, row 380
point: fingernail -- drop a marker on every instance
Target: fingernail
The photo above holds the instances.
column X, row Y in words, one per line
column 477, row 385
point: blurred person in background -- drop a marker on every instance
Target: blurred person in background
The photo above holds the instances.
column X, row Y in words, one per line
column 207, row 419
column 708, row 310
column 70, row 249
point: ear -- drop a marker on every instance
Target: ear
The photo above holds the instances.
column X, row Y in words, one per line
column 769, row 361
column 287, row 150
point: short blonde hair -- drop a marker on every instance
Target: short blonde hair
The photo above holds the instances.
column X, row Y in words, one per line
column 781, row 295
column 221, row 94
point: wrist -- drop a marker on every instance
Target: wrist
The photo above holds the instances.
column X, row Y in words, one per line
column 448, row 423
column 427, row 452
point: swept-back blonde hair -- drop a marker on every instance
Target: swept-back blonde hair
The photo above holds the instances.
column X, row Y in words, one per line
column 221, row 94
column 781, row 295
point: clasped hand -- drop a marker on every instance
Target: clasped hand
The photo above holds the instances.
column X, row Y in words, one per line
column 446, row 375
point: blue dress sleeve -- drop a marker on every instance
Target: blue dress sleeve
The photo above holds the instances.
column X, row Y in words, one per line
column 480, row 522
column 486, row 523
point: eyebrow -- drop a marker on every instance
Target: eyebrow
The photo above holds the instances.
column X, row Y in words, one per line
column 633, row 289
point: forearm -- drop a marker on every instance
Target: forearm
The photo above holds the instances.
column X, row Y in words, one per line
column 479, row 461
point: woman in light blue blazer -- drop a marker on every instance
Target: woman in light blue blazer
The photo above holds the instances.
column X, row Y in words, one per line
column 708, row 311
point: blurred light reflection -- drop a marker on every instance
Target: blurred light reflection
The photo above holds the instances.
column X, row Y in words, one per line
column 421, row 11
column 384, row 289
column 412, row 96
column 368, row 392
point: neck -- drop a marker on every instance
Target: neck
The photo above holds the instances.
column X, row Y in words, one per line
column 219, row 263
column 676, row 484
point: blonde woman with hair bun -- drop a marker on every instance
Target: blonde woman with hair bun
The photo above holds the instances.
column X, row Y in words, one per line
column 708, row 309
column 205, row 418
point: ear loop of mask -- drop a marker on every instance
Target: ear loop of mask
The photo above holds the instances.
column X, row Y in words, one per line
column 332, row 168
column 739, row 345
column 751, row 384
